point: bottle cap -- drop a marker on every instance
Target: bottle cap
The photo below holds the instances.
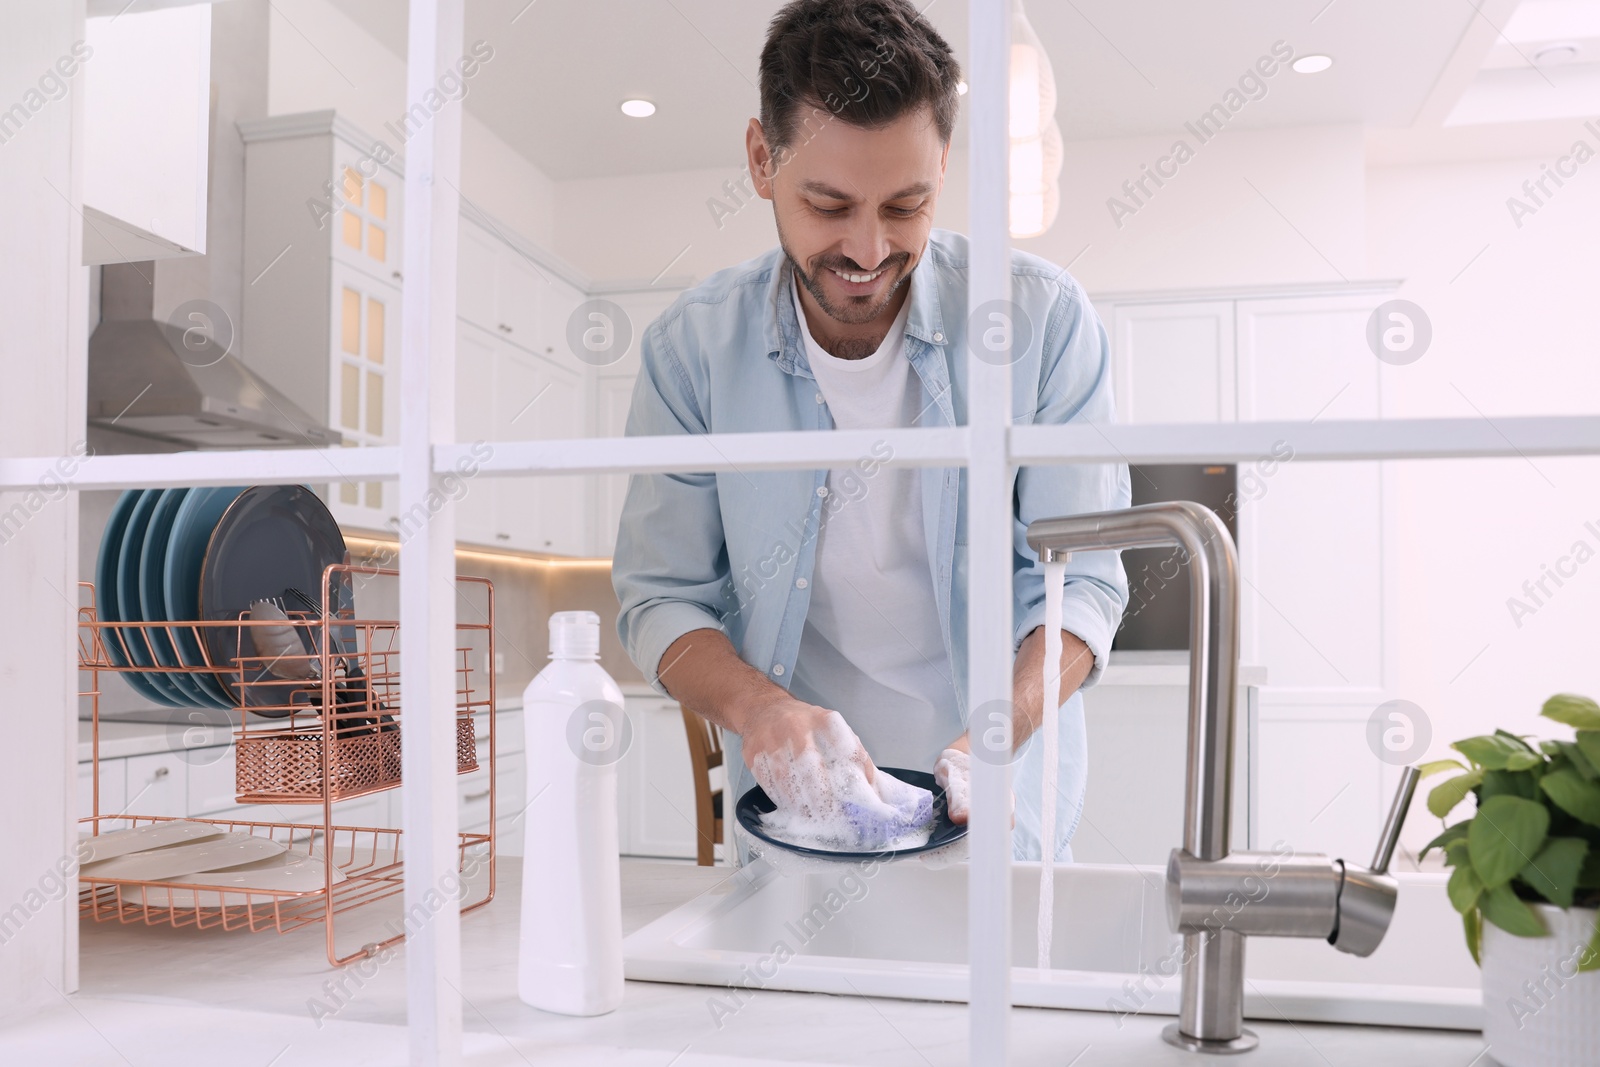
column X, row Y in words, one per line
column 574, row 635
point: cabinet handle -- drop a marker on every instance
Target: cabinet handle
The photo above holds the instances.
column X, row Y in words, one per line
column 504, row 327
column 476, row 796
column 504, row 537
column 398, row 275
column 162, row 772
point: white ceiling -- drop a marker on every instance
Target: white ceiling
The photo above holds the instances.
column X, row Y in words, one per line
column 1122, row 68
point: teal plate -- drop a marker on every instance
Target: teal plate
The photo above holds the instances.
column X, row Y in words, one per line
column 105, row 573
column 139, row 646
column 153, row 600
column 192, row 527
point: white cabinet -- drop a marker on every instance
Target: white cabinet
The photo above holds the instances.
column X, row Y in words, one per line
column 613, row 396
column 1174, row 362
column 199, row 782
column 655, row 783
column 322, row 303
column 113, row 788
column 525, row 399
column 1310, row 534
column 476, row 358
column 158, row 784
column 145, row 81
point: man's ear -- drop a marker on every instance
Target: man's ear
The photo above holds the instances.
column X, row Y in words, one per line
column 760, row 159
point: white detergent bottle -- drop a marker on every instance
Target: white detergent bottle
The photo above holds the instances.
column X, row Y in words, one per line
column 569, row 959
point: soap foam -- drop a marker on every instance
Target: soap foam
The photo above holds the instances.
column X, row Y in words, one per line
column 825, row 801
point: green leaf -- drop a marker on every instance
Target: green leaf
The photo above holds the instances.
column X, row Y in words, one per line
column 1578, row 758
column 1509, row 783
column 1435, row 766
column 1492, row 752
column 1452, row 791
column 1464, row 888
column 1505, row 834
column 1511, row 913
column 1590, row 960
column 1589, row 745
column 1569, row 792
column 1472, row 921
column 1589, row 876
column 1458, row 832
column 1573, row 710
column 1553, row 874
column 1513, row 739
column 1455, row 853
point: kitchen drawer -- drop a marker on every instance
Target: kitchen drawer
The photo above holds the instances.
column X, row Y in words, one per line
column 113, row 787
column 211, row 780
column 158, row 784
column 511, row 825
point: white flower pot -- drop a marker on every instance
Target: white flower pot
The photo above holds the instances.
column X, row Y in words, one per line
column 1537, row 1010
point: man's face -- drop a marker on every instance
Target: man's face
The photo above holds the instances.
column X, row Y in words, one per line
column 853, row 205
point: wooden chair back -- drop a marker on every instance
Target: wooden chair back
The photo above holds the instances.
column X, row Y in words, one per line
column 705, row 752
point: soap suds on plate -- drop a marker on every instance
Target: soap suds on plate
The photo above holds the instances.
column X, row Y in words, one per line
column 824, row 800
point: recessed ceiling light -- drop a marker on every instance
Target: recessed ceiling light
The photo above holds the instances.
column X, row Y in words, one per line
column 961, row 88
column 1555, row 55
column 1312, row 64
column 638, row 109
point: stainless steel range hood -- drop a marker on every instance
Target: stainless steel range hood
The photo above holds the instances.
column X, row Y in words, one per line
column 153, row 378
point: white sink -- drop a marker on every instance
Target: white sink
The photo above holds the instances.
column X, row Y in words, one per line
column 901, row 931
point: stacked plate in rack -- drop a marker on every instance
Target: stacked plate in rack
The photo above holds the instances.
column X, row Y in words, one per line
column 174, row 556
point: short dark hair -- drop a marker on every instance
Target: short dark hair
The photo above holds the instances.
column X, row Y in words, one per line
column 868, row 62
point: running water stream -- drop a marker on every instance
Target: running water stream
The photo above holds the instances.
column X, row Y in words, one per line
column 1054, row 576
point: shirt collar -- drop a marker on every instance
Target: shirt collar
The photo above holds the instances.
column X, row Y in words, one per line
column 785, row 344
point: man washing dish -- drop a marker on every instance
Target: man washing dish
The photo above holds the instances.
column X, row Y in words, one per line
column 774, row 603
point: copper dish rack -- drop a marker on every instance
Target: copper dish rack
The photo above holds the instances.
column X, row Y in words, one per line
column 304, row 755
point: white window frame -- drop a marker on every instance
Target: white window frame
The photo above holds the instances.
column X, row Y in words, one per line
column 988, row 446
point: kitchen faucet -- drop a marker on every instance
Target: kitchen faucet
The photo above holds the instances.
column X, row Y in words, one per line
column 1215, row 896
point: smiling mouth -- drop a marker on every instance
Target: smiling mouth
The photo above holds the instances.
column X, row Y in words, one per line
column 858, row 277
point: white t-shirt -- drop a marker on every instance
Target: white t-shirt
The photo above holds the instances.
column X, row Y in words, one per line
column 872, row 649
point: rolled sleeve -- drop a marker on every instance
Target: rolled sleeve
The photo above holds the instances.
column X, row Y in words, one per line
column 670, row 567
column 1074, row 386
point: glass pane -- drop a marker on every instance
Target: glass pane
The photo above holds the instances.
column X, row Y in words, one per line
column 375, row 403
column 378, row 202
column 350, row 322
column 377, row 246
column 349, row 493
column 374, row 494
column 352, row 230
column 352, row 186
column 375, row 327
column 350, row 396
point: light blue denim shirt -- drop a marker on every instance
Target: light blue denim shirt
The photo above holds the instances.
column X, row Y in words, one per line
column 735, row 551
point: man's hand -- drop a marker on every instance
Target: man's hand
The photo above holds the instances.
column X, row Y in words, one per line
column 782, row 728
column 953, row 774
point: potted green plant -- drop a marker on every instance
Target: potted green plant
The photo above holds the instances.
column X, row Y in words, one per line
column 1525, row 876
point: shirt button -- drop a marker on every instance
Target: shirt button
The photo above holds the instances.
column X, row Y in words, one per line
column 938, row 337
column 800, row 583
column 822, row 490
column 819, row 398
column 777, row 668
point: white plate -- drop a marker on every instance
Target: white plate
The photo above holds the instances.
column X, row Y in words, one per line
column 157, row 835
column 289, row 872
column 175, row 861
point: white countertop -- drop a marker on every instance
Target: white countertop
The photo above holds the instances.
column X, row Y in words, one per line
column 184, row 997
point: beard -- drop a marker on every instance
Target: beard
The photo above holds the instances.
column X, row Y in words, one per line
column 855, row 310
